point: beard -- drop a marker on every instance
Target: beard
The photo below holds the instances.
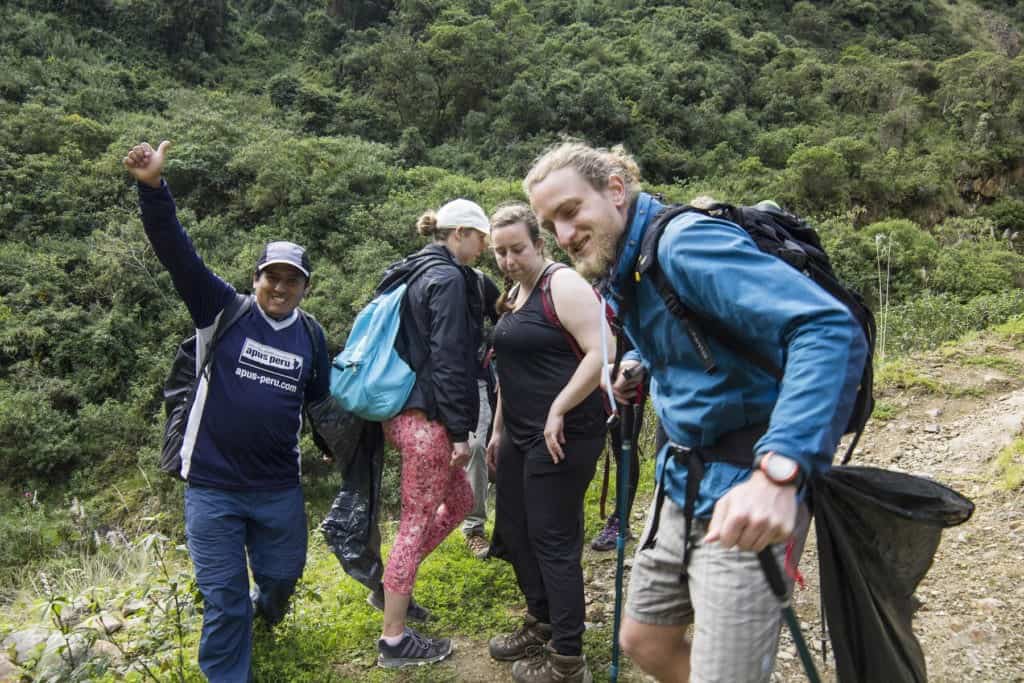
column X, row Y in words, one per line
column 601, row 254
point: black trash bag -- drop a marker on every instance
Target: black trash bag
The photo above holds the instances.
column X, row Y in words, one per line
column 877, row 534
column 336, row 431
column 351, row 527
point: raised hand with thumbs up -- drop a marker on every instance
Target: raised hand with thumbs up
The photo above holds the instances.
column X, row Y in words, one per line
column 145, row 163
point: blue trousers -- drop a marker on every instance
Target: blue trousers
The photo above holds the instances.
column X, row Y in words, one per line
column 222, row 527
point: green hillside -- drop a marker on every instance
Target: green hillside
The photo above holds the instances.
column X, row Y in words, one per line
column 896, row 124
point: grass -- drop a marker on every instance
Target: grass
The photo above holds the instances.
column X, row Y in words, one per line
column 898, row 374
column 1012, row 330
column 330, row 633
column 1000, row 363
column 884, row 411
column 1009, row 465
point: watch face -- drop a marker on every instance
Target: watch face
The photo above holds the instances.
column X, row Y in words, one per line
column 780, row 469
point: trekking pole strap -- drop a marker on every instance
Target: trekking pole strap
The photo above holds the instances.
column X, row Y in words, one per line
column 604, row 486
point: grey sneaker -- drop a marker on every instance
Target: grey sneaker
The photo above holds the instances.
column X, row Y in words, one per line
column 523, row 642
column 414, row 649
column 415, row 611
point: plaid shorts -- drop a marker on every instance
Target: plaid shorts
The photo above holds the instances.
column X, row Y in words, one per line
column 725, row 596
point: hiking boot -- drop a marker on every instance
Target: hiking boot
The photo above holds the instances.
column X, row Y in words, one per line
column 478, row 545
column 607, row 538
column 414, row 649
column 551, row 667
column 414, row 612
column 532, row 635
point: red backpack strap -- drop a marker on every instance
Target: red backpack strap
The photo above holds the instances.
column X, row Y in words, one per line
column 552, row 316
column 549, row 306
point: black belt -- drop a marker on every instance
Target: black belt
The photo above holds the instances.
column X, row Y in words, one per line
column 735, row 448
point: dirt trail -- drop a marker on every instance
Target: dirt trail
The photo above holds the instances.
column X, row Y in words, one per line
column 970, row 624
column 951, row 417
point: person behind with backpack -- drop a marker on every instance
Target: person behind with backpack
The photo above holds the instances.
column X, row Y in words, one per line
column 549, row 431
column 476, row 469
column 439, row 335
column 606, row 538
column 240, row 454
column 756, row 438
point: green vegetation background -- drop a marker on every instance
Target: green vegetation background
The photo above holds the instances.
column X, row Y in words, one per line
column 897, row 125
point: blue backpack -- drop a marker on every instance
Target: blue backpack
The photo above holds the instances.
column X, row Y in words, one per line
column 368, row 377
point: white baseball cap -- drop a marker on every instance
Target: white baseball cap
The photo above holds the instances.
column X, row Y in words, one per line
column 462, row 213
column 284, row 252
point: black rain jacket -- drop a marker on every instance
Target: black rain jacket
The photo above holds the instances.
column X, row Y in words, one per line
column 439, row 335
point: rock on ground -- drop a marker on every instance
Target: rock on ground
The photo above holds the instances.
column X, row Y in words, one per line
column 25, row 642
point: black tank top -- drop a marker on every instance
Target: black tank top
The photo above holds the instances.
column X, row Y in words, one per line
column 535, row 362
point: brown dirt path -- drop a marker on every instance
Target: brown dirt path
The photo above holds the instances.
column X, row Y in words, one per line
column 970, row 625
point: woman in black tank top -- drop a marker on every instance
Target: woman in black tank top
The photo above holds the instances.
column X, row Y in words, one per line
column 549, row 430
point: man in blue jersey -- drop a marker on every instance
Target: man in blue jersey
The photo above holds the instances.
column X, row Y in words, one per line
column 741, row 443
column 240, row 455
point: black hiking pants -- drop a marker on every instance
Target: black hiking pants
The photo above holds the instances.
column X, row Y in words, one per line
column 539, row 518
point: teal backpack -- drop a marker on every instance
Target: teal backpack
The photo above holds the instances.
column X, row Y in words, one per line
column 368, row 377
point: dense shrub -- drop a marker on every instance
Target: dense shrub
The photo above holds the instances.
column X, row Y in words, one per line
column 336, row 124
column 931, row 319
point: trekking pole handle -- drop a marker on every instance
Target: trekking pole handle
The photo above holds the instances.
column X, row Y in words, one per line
column 629, row 373
column 771, row 570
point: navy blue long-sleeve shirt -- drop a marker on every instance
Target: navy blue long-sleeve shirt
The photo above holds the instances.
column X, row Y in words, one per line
column 243, row 430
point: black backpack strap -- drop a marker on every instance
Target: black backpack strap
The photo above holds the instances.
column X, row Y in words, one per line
column 235, row 309
column 315, row 330
column 316, row 333
column 230, row 315
column 864, row 405
column 696, row 324
column 647, row 264
column 400, row 272
column 735, row 448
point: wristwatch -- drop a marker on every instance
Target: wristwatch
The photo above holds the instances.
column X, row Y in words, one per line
column 779, row 469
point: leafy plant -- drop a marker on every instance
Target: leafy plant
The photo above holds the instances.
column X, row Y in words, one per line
column 1009, row 465
column 160, row 650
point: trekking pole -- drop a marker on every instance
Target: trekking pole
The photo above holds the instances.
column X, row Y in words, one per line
column 771, row 572
column 622, row 503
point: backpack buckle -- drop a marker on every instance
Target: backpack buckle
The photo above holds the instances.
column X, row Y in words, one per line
column 679, row 453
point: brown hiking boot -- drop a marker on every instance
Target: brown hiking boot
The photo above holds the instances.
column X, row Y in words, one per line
column 551, row 667
column 532, row 635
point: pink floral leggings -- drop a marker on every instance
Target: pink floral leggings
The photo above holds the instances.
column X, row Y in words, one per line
column 436, row 497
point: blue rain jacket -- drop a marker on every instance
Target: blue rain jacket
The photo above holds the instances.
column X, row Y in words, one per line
column 716, row 268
